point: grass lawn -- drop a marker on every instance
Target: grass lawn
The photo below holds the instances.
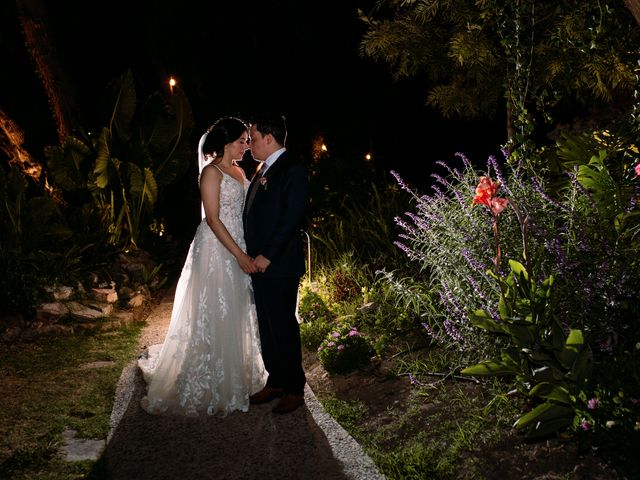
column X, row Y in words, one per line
column 48, row 386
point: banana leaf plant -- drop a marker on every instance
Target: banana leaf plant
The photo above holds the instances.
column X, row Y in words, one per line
column 138, row 152
column 602, row 163
column 548, row 364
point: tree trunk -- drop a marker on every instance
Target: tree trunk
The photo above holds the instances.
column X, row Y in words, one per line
column 11, row 140
column 33, row 21
column 634, row 8
column 510, row 129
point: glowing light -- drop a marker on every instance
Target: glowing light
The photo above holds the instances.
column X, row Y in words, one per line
column 318, row 147
column 172, row 84
column 368, row 156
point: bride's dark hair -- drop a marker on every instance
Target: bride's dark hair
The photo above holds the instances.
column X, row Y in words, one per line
column 223, row 131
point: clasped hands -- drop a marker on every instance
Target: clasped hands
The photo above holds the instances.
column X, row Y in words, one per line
column 253, row 265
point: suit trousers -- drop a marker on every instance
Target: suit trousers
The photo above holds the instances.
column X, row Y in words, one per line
column 276, row 300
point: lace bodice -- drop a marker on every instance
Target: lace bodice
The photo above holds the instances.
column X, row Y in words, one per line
column 232, row 195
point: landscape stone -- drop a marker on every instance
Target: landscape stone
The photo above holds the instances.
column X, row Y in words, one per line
column 137, row 301
column 78, row 449
column 108, row 295
column 102, row 307
column 62, row 292
column 83, row 313
column 52, row 311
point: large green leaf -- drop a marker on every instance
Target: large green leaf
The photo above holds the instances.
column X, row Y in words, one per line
column 174, row 166
column 573, row 346
column 482, row 319
column 546, row 286
column 159, row 127
column 147, row 189
column 64, row 163
column 103, row 159
column 505, row 307
column 491, row 368
column 623, row 220
column 545, row 374
column 523, row 333
column 595, row 177
column 165, row 124
column 142, row 183
column 545, row 419
column 581, row 369
column 574, row 149
column 518, row 269
column 550, row 391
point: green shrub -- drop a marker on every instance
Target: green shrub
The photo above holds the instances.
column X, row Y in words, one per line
column 344, row 350
column 313, row 333
column 358, row 221
column 311, row 306
column 317, row 318
column 20, row 289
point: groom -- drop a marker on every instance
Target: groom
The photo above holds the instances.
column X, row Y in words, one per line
column 274, row 215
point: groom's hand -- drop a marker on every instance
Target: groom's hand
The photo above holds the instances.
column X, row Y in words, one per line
column 262, row 263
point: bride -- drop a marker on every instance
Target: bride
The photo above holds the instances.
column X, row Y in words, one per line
column 210, row 360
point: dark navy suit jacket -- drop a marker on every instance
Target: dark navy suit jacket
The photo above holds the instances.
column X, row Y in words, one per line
column 275, row 220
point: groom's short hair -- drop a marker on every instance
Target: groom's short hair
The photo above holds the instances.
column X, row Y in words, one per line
column 273, row 124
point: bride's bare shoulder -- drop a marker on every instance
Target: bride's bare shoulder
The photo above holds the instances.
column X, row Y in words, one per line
column 210, row 173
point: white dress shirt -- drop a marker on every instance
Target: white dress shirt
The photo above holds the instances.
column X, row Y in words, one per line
column 271, row 159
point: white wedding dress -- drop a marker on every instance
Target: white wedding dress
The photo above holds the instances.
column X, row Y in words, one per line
column 210, row 360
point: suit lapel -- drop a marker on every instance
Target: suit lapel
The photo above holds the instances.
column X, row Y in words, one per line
column 251, row 193
column 277, row 166
column 254, row 189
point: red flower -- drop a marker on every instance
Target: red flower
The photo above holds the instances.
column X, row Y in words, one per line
column 485, row 192
column 498, row 204
column 637, row 168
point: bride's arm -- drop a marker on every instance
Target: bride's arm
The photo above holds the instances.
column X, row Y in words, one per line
column 210, row 194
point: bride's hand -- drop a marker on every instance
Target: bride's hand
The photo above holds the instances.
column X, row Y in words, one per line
column 246, row 263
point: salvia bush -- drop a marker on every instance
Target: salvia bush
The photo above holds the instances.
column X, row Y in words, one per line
column 594, row 262
column 467, row 235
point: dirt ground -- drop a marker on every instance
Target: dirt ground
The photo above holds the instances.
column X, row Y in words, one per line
column 388, row 397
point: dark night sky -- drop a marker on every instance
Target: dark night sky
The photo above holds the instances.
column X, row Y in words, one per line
column 298, row 58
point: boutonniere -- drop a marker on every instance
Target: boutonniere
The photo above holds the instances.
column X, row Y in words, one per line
column 263, row 182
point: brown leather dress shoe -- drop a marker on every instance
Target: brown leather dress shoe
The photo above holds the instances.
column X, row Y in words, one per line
column 288, row 403
column 266, row 395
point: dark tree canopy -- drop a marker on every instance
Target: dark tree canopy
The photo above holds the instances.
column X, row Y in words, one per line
column 474, row 55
